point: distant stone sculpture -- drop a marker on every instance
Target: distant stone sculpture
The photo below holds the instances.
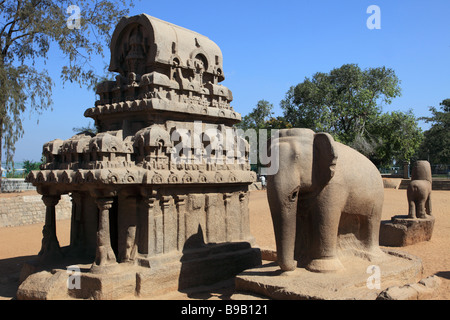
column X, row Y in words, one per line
column 419, row 191
column 165, row 181
column 325, row 196
column 418, row 225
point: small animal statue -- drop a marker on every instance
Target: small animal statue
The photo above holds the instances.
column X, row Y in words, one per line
column 419, row 191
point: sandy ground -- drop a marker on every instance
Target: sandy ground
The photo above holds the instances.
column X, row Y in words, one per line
column 19, row 244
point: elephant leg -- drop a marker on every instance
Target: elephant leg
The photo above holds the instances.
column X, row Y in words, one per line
column 420, row 209
column 411, row 203
column 323, row 249
column 286, row 239
column 428, row 205
column 373, row 232
column 284, row 224
column 411, row 209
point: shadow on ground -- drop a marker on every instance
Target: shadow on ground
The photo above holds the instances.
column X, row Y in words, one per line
column 443, row 274
column 9, row 275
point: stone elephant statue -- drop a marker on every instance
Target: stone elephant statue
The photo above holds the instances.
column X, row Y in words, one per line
column 419, row 191
column 324, row 195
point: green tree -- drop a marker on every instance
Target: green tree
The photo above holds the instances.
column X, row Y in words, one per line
column 398, row 138
column 28, row 29
column 90, row 128
column 257, row 118
column 277, row 123
column 436, row 144
column 341, row 102
column 30, row 165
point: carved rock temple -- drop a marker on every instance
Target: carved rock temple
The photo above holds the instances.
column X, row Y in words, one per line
column 160, row 193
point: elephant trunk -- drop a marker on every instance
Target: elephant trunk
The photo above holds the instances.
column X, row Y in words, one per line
column 282, row 192
column 284, row 218
column 286, row 248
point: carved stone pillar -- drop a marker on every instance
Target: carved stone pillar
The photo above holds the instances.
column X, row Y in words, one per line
column 228, row 227
column 76, row 230
column 170, row 224
column 181, row 210
column 50, row 249
column 147, row 229
column 127, row 227
column 215, row 219
column 105, row 259
column 245, row 218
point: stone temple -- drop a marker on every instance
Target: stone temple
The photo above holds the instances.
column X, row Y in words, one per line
column 160, row 193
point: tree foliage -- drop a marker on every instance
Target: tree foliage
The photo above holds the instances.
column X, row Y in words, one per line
column 347, row 103
column 30, row 165
column 28, row 29
column 277, row 123
column 436, row 144
column 341, row 102
column 257, row 118
column 398, row 137
column 90, row 128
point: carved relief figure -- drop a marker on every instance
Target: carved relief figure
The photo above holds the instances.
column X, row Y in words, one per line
column 136, row 52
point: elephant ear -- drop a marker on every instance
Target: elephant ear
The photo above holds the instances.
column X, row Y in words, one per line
column 324, row 157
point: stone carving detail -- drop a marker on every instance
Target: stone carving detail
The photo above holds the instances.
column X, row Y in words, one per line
column 182, row 78
column 151, row 148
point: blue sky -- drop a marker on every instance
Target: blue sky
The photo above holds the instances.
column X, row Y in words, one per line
column 269, row 46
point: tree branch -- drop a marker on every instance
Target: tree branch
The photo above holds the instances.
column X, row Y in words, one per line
column 11, row 28
column 22, row 36
column 5, row 26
